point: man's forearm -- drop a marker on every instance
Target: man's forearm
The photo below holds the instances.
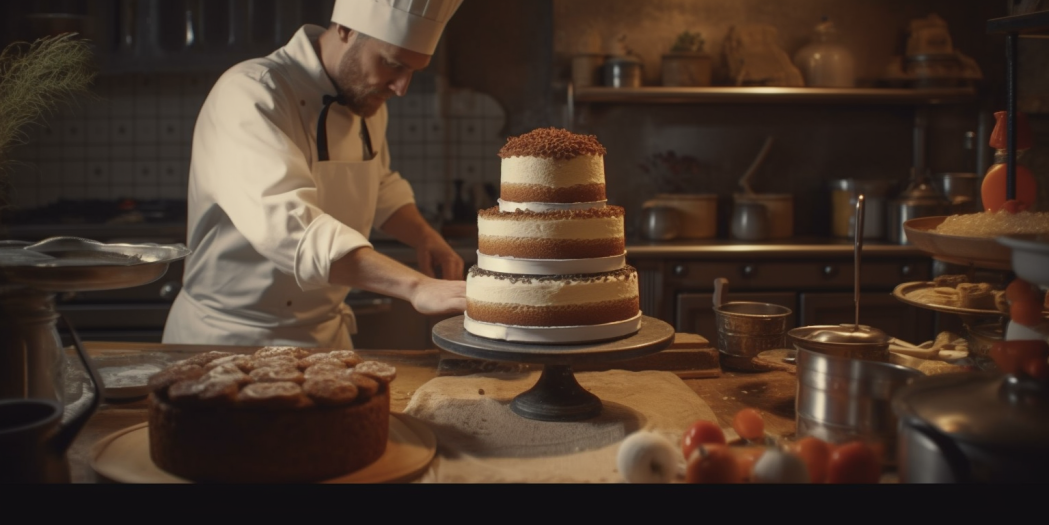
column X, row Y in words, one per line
column 367, row 269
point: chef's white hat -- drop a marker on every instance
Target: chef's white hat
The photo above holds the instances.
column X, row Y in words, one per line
column 412, row 24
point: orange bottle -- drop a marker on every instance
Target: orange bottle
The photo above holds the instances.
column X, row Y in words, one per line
column 992, row 191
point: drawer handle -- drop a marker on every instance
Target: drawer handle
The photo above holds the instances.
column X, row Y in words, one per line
column 906, row 270
column 680, row 270
column 749, row 270
column 830, row 270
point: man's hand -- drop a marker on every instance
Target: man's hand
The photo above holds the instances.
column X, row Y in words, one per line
column 435, row 296
column 431, row 250
column 435, row 253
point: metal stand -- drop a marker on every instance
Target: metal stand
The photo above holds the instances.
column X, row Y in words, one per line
column 556, row 396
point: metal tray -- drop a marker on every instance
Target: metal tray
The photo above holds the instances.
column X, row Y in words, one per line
column 902, row 291
column 981, row 252
column 73, row 264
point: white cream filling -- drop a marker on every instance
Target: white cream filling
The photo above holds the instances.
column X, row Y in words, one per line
column 587, row 228
column 535, row 292
column 556, row 173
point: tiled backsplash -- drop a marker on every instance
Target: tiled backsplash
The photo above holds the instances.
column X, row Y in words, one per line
column 134, row 141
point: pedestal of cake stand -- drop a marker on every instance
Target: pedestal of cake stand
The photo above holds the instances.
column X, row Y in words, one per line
column 556, row 396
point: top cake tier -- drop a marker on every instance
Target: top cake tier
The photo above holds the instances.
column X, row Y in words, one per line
column 552, row 165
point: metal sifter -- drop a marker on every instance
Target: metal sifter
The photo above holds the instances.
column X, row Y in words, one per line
column 847, row 340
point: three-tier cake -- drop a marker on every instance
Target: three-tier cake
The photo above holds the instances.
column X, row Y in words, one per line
column 551, row 264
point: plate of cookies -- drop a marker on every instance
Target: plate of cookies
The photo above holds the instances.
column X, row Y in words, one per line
column 954, row 294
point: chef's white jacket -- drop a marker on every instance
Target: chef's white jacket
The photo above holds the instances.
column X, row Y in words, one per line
column 266, row 218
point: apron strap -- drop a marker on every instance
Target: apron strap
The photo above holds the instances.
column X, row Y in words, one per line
column 322, row 131
column 322, row 127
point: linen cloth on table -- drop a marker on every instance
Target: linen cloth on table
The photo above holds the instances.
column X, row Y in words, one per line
column 480, row 440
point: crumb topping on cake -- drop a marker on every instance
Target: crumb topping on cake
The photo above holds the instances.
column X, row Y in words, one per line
column 606, row 212
column 551, row 143
column 626, row 272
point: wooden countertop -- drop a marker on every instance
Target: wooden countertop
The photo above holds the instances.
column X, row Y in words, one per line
column 725, row 392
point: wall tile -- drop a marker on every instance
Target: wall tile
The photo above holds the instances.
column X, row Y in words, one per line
column 147, row 173
column 74, row 173
column 123, row 173
column 122, row 131
column 145, row 130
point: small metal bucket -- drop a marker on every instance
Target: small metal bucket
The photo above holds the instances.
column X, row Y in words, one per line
column 746, row 329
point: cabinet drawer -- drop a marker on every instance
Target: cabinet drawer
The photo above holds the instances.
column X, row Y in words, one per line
column 796, row 275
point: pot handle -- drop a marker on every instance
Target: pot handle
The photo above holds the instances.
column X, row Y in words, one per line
column 956, row 460
column 70, row 430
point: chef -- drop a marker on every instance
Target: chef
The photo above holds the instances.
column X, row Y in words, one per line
column 291, row 170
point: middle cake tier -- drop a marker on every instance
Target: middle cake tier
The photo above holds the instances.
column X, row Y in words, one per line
column 559, row 234
column 552, row 300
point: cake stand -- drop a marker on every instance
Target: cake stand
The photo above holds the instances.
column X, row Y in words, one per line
column 556, row 396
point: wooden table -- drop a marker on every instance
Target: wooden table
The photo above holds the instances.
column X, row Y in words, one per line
column 772, row 393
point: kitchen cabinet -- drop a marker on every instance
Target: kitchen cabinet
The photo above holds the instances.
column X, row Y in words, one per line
column 814, row 280
column 771, row 95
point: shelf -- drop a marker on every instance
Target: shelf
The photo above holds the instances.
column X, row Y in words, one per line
column 1031, row 24
column 774, row 95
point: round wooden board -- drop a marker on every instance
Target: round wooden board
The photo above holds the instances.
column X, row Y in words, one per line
column 123, row 456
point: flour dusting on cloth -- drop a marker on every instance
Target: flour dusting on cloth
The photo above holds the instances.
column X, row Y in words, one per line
column 480, row 440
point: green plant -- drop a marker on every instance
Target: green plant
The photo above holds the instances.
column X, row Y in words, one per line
column 34, row 79
column 688, row 42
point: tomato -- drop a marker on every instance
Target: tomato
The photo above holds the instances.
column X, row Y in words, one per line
column 1037, row 368
column 1026, row 311
column 1020, row 289
column 701, row 432
column 1015, row 357
column 749, row 424
column 713, row 464
column 746, row 457
column 815, row 453
column 854, row 462
column 992, row 191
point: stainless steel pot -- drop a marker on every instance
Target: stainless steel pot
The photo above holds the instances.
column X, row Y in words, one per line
column 920, row 199
column 622, row 72
column 973, row 427
column 841, row 399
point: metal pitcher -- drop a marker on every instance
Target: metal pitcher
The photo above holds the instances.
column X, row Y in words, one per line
column 33, row 436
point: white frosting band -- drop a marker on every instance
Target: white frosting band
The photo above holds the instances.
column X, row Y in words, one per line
column 548, row 292
column 555, row 173
column 540, row 207
column 553, row 334
column 493, row 263
column 586, row 228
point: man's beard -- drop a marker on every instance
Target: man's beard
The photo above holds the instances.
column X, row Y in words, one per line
column 360, row 98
